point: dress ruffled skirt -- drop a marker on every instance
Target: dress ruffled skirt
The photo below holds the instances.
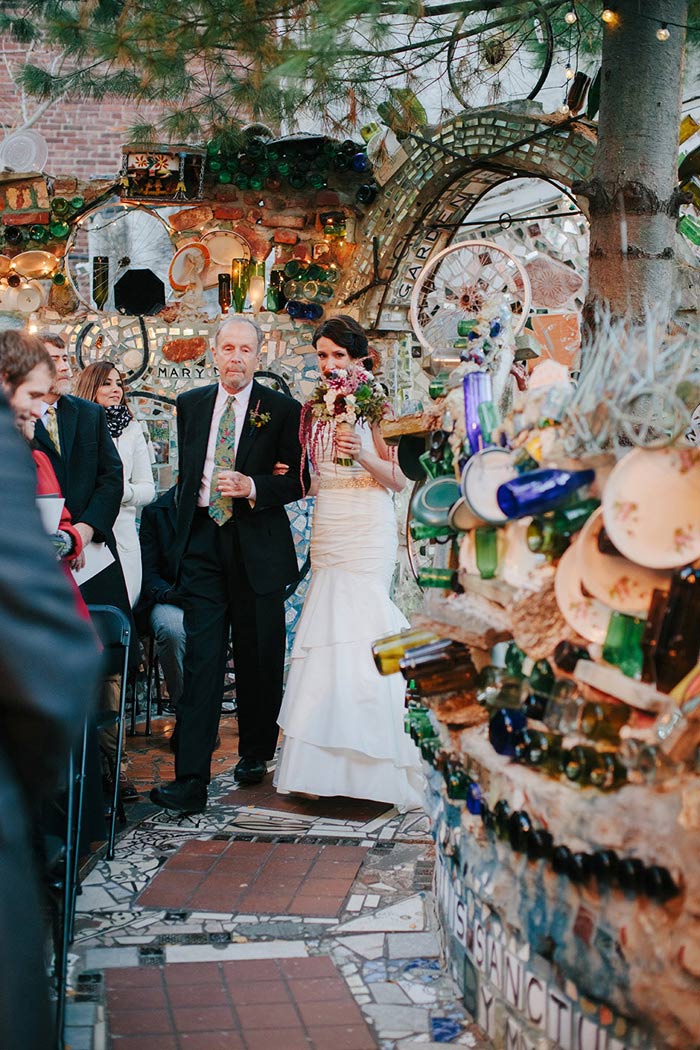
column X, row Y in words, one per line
column 342, row 720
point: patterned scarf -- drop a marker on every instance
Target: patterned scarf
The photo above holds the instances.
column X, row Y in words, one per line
column 118, row 419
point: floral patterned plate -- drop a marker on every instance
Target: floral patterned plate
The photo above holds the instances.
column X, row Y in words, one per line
column 651, row 507
column 617, row 582
column 587, row 616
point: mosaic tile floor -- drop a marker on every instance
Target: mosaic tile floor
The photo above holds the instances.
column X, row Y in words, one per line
column 265, row 922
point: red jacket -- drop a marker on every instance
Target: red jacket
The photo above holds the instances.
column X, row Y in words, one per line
column 47, row 485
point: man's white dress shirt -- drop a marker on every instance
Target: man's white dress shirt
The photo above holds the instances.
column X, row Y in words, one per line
column 240, row 411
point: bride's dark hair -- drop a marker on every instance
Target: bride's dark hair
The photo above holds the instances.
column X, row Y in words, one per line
column 346, row 332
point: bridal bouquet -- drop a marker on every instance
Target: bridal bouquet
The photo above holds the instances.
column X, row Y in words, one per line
column 340, row 399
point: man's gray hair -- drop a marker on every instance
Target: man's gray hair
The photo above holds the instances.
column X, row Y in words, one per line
column 241, row 319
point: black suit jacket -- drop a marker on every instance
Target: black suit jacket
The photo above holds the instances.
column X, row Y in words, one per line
column 264, row 531
column 157, row 537
column 49, row 660
column 89, row 469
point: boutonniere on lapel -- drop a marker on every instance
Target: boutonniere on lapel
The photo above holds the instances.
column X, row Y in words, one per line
column 258, row 419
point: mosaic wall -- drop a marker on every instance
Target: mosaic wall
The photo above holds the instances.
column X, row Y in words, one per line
column 441, row 181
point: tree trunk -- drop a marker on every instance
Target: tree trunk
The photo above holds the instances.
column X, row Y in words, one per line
column 633, row 193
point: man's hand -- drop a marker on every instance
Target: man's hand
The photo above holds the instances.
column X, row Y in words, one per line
column 280, row 468
column 233, row 483
column 86, row 532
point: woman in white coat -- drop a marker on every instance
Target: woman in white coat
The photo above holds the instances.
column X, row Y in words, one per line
column 102, row 382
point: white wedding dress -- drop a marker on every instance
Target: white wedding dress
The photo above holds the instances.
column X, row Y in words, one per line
column 343, row 721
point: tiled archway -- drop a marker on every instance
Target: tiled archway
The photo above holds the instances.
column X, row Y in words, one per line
column 440, row 182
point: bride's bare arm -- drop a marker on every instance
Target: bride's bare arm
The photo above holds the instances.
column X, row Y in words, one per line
column 381, row 463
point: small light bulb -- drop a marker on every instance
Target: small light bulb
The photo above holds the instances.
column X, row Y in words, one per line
column 564, row 110
column 608, row 15
column 662, row 33
column 569, row 73
column 571, row 17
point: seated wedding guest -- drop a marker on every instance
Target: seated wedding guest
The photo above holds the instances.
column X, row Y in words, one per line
column 49, row 667
column 160, row 604
column 26, row 375
column 103, row 383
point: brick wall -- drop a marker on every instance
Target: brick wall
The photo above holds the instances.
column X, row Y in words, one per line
column 84, row 137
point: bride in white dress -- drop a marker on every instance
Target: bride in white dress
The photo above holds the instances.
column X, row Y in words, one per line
column 343, row 721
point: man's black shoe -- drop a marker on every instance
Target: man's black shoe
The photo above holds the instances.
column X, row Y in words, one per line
column 250, row 771
column 183, row 796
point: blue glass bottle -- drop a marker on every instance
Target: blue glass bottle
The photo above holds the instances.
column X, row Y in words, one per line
column 304, row 311
column 538, row 491
column 504, row 726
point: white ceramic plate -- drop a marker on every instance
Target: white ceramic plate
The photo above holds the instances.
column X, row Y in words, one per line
column 28, row 298
column 462, row 518
column 481, row 478
column 520, row 567
column 651, row 507
column 224, row 246
column 587, row 616
column 617, row 582
column 188, row 263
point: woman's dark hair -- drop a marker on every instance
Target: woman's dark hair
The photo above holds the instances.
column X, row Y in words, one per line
column 346, row 332
column 93, row 377
column 19, row 354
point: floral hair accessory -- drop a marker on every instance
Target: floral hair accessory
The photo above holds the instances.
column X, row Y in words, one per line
column 257, row 418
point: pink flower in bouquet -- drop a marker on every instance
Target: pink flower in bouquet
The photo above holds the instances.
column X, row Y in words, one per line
column 344, row 396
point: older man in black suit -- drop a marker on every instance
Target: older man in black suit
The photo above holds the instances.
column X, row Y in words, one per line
column 236, row 557
column 49, row 664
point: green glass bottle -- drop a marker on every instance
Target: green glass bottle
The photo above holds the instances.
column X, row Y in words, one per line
column 77, row 203
column 39, row 234
column 59, row 230
column 623, row 643
column 514, row 659
column 486, row 545
column 430, row 532
column 442, row 579
column 60, row 206
column 541, row 678
column 457, row 785
column 543, row 538
column 571, row 519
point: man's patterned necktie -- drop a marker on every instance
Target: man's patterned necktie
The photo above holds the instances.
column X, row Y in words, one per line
column 52, row 427
column 221, row 507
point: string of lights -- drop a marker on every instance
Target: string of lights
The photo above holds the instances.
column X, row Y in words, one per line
column 610, row 16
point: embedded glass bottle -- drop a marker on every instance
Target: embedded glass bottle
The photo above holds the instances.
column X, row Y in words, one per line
column 388, row 650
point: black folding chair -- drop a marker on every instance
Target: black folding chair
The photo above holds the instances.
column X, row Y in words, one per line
column 114, row 630
column 152, row 670
column 61, row 858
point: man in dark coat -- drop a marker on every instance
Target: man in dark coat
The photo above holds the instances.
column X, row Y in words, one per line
column 49, row 664
column 236, row 556
column 73, row 433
